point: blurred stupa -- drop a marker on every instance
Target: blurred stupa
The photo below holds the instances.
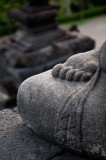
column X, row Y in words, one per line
column 39, row 44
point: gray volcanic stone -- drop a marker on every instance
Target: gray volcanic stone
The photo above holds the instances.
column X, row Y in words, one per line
column 18, row 142
column 67, row 156
column 80, row 67
column 69, row 112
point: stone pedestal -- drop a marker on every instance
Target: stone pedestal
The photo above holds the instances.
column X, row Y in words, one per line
column 36, row 16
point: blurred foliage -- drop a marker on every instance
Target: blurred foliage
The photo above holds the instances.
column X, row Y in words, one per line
column 79, row 16
column 78, row 5
column 67, row 6
column 6, row 25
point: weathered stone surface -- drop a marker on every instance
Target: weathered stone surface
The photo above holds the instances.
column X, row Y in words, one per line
column 80, row 67
column 17, row 142
column 69, row 114
column 67, row 156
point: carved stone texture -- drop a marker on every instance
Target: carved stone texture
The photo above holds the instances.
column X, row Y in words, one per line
column 75, row 69
column 67, row 106
column 19, row 142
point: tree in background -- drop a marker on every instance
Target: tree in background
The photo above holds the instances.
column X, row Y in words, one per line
column 6, row 26
column 98, row 2
column 5, row 6
column 68, row 8
column 65, row 6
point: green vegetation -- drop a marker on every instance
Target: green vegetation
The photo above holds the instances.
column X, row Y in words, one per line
column 6, row 25
column 79, row 16
column 70, row 6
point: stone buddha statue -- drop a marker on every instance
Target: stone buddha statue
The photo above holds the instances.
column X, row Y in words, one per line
column 67, row 106
column 62, row 113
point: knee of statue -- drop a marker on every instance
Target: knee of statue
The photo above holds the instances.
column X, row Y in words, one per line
column 67, row 105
